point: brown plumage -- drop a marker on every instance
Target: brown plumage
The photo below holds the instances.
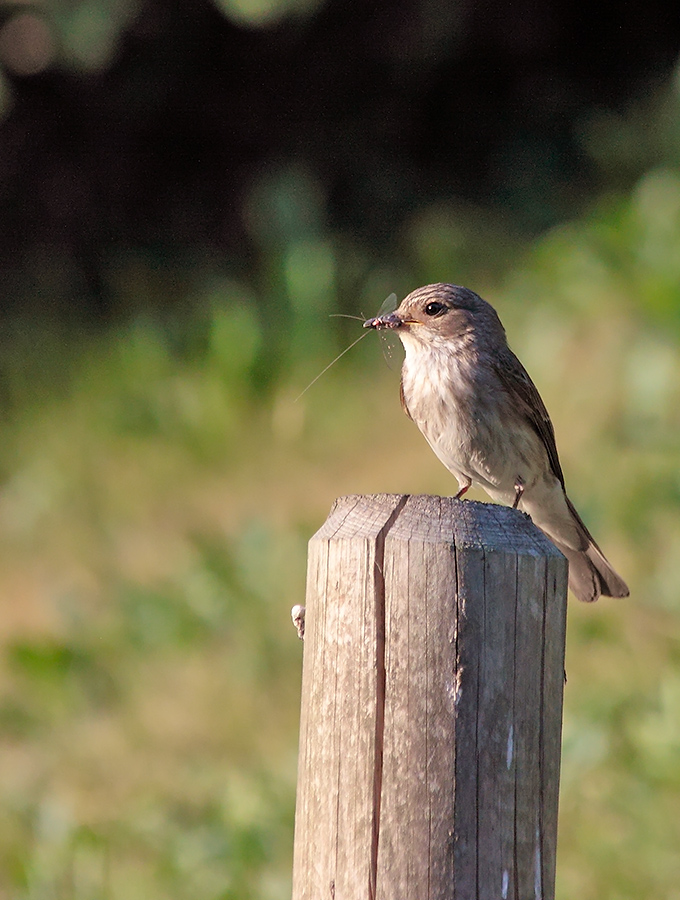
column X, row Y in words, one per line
column 484, row 418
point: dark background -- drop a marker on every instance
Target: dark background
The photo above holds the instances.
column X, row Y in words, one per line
column 156, row 145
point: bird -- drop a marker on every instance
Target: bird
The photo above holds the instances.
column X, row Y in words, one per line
column 481, row 413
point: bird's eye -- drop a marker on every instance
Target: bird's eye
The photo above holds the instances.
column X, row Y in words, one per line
column 435, row 308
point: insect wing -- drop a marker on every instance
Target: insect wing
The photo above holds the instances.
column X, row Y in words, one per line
column 389, row 305
column 392, row 349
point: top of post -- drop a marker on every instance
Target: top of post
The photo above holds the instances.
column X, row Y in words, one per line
column 431, row 519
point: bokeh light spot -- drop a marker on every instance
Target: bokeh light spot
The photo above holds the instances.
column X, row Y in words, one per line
column 261, row 13
column 27, row 46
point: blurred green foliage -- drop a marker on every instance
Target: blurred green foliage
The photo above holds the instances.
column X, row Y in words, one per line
column 160, row 483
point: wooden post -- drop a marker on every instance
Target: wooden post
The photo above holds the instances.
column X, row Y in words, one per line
column 431, row 704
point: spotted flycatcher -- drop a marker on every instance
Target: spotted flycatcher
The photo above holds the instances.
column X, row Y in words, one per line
column 484, row 418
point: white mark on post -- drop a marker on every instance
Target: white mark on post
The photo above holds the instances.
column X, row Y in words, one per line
column 505, row 884
column 511, row 746
column 538, row 880
column 457, row 687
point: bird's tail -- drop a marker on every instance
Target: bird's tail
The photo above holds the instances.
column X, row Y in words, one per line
column 590, row 575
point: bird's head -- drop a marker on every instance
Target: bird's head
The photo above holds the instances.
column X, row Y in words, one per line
column 441, row 313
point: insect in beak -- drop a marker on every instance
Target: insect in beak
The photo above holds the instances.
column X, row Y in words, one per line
column 390, row 320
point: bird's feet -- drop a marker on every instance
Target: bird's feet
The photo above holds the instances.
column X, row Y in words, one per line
column 519, row 490
column 463, row 488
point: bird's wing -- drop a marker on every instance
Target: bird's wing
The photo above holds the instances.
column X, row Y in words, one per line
column 404, row 405
column 518, row 384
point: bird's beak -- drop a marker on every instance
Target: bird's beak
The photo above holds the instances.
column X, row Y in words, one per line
column 391, row 320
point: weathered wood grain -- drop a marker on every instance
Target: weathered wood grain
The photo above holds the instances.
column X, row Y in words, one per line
column 431, row 704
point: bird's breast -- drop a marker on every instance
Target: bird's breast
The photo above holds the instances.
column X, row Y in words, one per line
column 460, row 413
column 441, row 397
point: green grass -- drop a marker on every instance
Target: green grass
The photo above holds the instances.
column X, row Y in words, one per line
column 159, row 486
